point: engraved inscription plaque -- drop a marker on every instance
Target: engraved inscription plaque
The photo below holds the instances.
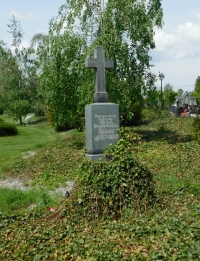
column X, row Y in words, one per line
column 105, row 127
column 102, row 124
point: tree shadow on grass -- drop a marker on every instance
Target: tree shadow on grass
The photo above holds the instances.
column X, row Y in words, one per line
column 172, row 137
column 36, row 121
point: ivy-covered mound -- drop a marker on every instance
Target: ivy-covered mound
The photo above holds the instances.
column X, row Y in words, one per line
column 107, row 187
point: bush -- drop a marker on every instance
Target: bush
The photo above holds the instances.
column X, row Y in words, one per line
column 1, row 111
column 196, row 128
column 106, row 188
column 50, row 114
column 150, row 115
column 7, row 129
column 133, row 116
column 39, row 112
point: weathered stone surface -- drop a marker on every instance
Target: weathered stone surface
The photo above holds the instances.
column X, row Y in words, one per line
column 101, row 117
column 99, row 64
column 102, row 124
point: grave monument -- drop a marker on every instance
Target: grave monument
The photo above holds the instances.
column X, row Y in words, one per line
column 101, row 117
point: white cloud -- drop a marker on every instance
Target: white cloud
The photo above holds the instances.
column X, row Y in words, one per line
column 164, row 40
column 190, row 31
column 25, row 44
column 184, row 42
column 196, row 14
column 26, row 17
column 16, row 15
column 180, row 74
column 29, row 17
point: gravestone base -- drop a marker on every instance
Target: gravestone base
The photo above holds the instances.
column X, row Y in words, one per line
column 100, row 97
column 101, row 126
column 94, row 157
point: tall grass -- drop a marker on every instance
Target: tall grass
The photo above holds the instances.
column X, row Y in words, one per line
column 15, row 200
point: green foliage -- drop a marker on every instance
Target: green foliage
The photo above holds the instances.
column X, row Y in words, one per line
column 54, row 166
column 125, row 29
column 197, row 89
column 153, row 98
column 16, row 31
column 197, row 84
column 31, row 138
column 15, row 200
column 7, row 129
column 169, row 95
column 50, row 114
column 61, row 77
column 17, row 76
column 148, row 237
column 168, row 231
column 196, row 128
column 39, row 111
column 153, row 115
column 180, row 92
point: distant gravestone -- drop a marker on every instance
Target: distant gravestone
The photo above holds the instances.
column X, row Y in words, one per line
column 101, row 117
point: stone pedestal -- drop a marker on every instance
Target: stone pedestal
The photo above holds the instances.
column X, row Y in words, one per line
column 101, row 126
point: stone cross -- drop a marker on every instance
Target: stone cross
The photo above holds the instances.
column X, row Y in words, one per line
column 99, row 64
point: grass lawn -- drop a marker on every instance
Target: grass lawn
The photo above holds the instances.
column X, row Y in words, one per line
column 15, row 200
column 30, row 138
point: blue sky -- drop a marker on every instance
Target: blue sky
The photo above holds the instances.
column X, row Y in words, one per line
column 177, row 53
column 33, row 14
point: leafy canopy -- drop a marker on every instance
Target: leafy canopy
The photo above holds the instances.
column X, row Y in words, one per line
column 17, row 76
column 197, row 89
column 125, row 29
column 169, row 95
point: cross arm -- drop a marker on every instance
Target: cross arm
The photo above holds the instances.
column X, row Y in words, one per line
column 91, row 63
column 109, row 64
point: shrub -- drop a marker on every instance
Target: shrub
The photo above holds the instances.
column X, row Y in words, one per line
column 150, row 115
column 133, row 116
column 196, row 128
column 106, row 188
column 7, row 129
column 50, row 114
column 39, row 112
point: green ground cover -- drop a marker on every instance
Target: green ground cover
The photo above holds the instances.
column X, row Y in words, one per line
column 15, row 200
column 170, row 230
column 30, row 138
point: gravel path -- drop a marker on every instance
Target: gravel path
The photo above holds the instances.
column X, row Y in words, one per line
column 18, row 184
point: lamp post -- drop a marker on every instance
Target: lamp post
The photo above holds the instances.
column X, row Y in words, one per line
column 161, row 77
column 192, row 100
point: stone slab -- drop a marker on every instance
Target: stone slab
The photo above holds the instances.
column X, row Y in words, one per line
column 101, row 126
